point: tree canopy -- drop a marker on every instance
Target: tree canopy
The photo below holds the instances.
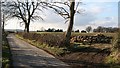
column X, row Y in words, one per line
column 26, row 11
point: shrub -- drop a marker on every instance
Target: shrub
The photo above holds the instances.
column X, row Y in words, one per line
column 117, row 42
column 46, row 38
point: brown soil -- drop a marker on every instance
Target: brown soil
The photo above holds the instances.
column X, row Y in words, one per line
column 87, row 57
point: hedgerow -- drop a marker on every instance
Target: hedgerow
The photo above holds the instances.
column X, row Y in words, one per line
column 46, row 38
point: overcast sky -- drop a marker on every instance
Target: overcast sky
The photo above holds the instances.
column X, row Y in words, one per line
column 101, row 13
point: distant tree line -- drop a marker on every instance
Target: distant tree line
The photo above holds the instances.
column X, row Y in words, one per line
column 101, row 29
column 76, row 30
column 106, row 29
column 88, row 29
column 51, row 30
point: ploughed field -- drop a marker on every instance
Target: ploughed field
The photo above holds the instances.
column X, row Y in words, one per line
column 86, row 50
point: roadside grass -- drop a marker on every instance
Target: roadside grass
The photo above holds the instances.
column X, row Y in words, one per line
column 114, row 57
column 6, row 54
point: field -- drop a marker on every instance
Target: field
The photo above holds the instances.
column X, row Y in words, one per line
column 76, row 55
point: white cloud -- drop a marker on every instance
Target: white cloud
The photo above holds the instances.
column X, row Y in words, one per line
column 90, row 17
column 84, row 19
column 110, row 21
column 100, row 0
column 37, row 26
column 106, row 22
column 96, row 9
column 85, row 0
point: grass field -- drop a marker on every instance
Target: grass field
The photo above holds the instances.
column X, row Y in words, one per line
column 83, row 34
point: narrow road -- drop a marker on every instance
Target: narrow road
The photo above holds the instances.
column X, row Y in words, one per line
column 27, row 56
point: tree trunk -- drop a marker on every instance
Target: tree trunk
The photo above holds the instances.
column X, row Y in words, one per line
column 28, row 24
column 25, row 30
column 0, row 32
column 3, row 24
column 70, row 26
column 27, row 27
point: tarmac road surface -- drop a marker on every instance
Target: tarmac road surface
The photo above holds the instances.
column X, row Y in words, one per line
column 24, row 55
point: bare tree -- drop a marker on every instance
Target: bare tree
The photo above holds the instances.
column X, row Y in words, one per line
column 67, row 11
column 5, row 14
column 5, row 17
column 88, row 29
column 26, row 11
column 0, row 37
column 0, row 27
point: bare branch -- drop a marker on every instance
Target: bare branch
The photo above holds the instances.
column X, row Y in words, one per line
column 59, row 10
column 63, row 3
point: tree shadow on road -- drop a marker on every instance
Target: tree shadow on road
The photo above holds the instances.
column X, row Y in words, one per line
column 36, row 61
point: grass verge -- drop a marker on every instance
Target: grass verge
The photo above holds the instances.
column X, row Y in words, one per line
column 6, row 54
column 54, row 50
column 114, row 59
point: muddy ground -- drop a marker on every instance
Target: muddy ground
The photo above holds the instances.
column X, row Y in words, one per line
column 87, row 57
